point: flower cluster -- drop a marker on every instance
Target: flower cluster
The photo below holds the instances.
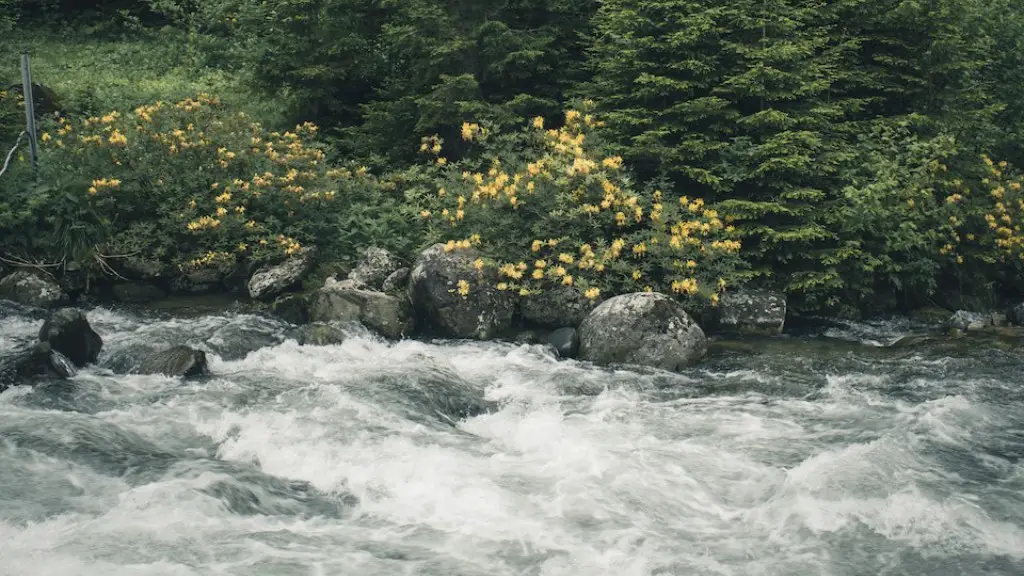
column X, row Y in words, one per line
column 548, row 207
column 223, row 186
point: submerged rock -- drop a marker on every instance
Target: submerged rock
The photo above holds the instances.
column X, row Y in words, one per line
column 644, row 328
column 375, row 266
column 238, row 338
column 389, row 316
column 483, row 313
column 68, row 331
column 32, row 289
column 751, row 313
column 320, row 334
column 556, row 307
column 177, row 361
column 269, row 282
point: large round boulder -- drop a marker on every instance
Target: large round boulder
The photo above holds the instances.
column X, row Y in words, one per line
column 483, row 312
column 68, row 331
column 644, row 328
column 32, row 289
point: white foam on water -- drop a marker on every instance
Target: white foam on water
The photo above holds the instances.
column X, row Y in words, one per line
column 548, row 483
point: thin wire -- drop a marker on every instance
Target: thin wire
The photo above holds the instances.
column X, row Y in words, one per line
column 11, row 153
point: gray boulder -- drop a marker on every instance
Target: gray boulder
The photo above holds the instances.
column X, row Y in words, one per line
column 484, row 313
column 565, row 341
column 36, row 360
column 390, row 316
column 177, row 361
column 556, row 307
column 292, row 308
column 375, row 266
column 32, row 289
column 397, row 281
column 269, row 282
column 751, row 313
column 965, row 321
column 643, row 328
column 68, row 331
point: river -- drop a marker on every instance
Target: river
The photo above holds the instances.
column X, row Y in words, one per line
column 827, row 453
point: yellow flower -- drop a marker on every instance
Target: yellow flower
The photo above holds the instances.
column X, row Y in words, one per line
column 538, row 122
column 592, row 293
column 478, row 263
column 537, row 274
column 221, row 211
column 567, row 280
column 536, row 246
column 425, row 214
column 45, row 137
column 463, row 287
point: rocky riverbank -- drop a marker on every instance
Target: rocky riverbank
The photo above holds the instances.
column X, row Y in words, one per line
column 430, row 298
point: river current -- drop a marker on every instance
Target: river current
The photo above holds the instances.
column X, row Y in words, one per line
column 828, row 453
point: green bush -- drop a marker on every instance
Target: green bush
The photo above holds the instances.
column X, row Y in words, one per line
column 197, row 185
column 549, row 207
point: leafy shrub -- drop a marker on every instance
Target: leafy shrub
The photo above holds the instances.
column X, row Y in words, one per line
column 989, row 234
column 197, row 185
column 890, row 223
column 549, row 208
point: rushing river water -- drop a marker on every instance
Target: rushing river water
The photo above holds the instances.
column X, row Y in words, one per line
column 824, row 454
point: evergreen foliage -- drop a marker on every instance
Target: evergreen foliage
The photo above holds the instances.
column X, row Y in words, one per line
column 851, row 143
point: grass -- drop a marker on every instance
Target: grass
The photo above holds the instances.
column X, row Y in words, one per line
column 94, row 76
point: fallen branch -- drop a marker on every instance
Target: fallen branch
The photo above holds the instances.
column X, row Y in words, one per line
column 11, row 153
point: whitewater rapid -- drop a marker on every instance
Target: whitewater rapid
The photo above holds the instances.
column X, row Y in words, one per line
column 803, row 456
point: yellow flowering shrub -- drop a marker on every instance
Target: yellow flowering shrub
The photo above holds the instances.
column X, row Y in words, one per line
column 548, row 207
column 192, row 183
column 995, row 234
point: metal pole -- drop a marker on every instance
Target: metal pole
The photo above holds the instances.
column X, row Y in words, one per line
column 30, row 112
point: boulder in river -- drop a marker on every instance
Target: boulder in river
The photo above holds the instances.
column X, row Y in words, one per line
column 966, row 321
column 751, row 313
column 388, row 315
column 1017, row 314
column 32, row 289
column 375, row 266
column 37, row 359
column 268, row 282
column 642, row 328
column 176, row 361
column 482, row 313
column 556, row 307
column 68, row 331
column 292, row 308
column 565, row 341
